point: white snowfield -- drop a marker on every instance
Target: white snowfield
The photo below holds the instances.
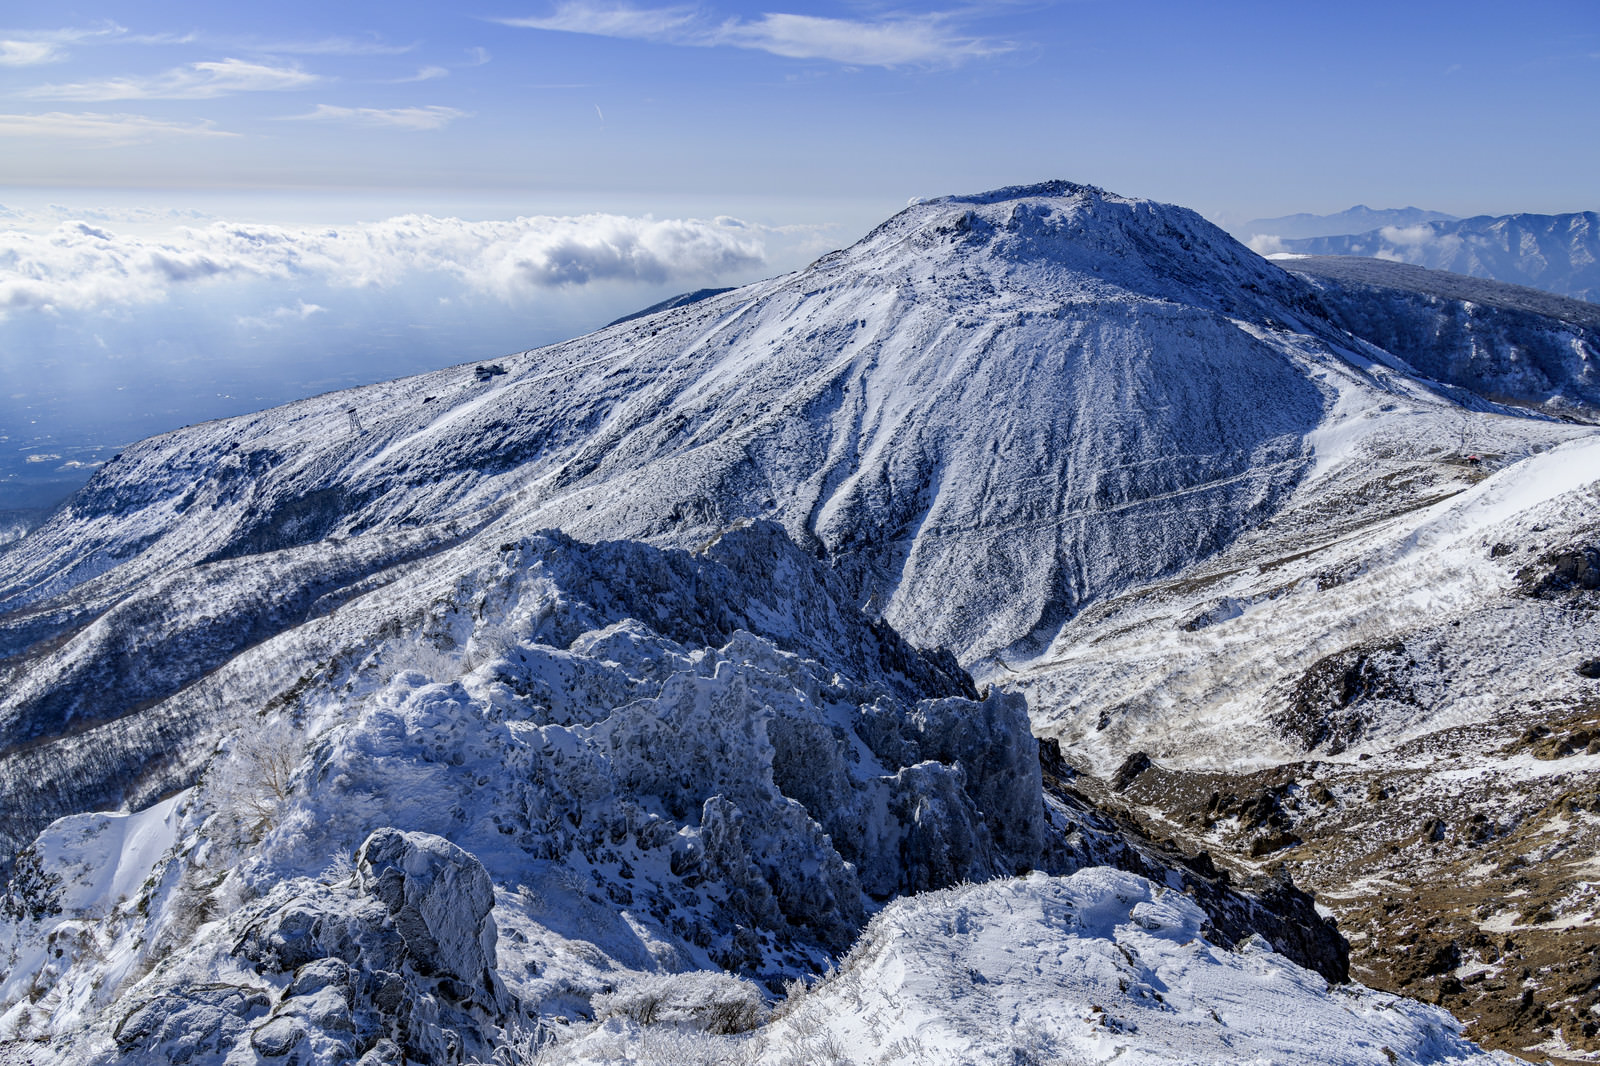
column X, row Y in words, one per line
column 1100, row 966
column 1183, row 669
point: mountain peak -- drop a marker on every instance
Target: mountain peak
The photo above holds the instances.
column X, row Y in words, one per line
column 1054, row 188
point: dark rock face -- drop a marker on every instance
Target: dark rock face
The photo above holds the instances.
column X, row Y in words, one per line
column 1567, row 574
column 1271, row 907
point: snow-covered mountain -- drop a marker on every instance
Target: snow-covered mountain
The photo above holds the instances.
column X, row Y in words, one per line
column 1357, row 219
column 1557, row 253
column 413, row 773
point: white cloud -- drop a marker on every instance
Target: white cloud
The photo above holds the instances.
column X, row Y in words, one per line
column 45, row 46
column 107, row 129
column 29, row 53
column 1265, row 243
column 893, row 41
column 427, row 74
column 326, row 46
column 615, row 20
column 197, row 81
column 431, row 117
column 1408, row 243
column 79, row 267
column 282, row 316
column 1407, row 234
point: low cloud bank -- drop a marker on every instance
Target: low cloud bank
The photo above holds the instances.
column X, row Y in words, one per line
column 84, row 267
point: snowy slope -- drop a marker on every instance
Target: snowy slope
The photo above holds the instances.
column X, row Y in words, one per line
column 983, row 395
column 1387, row 691
column 1101, row 966
column 1511, row 343
column 1182, row 670
column 990, row 411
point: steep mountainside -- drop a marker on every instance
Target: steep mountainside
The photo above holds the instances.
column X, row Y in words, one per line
column 984, row 395
column 1557, row 253
column 416, row 758
column 544, row 800
column 990, row 411
column 1511, row 343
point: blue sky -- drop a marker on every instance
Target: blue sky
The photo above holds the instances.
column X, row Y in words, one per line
column 216, row 197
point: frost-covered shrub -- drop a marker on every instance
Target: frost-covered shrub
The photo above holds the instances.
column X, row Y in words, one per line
column 251, row 782
column 33, row 892
column 705, row 1000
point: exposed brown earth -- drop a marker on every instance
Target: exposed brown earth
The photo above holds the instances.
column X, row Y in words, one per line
column 1478, row 894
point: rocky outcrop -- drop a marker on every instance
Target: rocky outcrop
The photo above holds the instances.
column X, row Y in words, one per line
column 402, row 956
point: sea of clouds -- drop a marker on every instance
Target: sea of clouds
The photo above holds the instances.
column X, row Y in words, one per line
column 79, row 265
column 115, row 325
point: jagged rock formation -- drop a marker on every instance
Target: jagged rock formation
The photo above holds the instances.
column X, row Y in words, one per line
column 690, row 793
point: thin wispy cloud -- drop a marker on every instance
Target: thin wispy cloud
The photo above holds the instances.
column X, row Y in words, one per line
column 105, row 129
column 197, row 81
column 425, row 74
column 323, row 46
column 279, row 317
column 432, row 117
column 38, row 47
column 892, row 41
column 676, row 25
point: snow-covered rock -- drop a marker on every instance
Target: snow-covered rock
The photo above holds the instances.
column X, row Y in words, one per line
column 537, row 789
column 1101, row 966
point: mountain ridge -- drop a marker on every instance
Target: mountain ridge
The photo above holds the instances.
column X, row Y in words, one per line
column 1557, row 253
column 1357, row 219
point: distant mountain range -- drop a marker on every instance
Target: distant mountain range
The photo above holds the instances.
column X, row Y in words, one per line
column 1557, row 253
column 1357, row 219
